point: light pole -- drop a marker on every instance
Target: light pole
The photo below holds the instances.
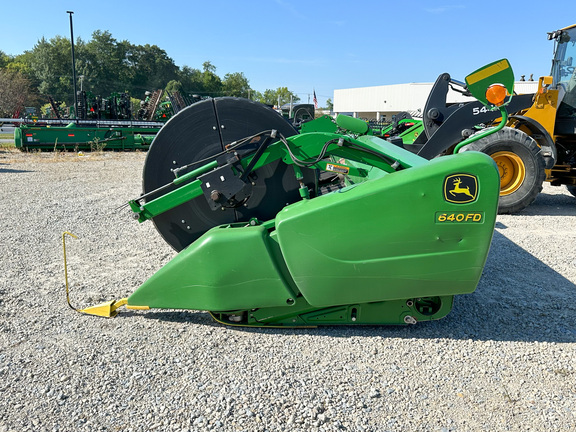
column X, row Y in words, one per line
column 73, row 64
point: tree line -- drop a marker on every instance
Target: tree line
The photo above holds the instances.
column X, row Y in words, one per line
column 104, row 66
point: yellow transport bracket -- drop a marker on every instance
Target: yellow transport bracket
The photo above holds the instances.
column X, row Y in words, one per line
column 107, row 309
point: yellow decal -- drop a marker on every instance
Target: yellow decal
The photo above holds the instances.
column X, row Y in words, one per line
column 459, row 217
column 485, row 73
column 460, row 188
column 337, row 168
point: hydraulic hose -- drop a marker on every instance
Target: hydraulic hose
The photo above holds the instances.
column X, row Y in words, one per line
column 485, row 132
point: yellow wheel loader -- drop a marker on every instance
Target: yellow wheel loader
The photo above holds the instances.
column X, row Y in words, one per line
column 539, row 144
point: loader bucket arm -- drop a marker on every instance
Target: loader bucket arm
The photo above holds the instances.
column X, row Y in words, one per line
column 446, row 124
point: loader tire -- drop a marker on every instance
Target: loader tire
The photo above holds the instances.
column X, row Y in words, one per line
column 521, row 167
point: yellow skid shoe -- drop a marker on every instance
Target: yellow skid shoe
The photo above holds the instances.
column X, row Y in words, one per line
column 107, row 309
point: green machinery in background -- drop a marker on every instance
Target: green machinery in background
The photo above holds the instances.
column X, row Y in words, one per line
column 404, row 130
column 100, row 123
column 404, row 127
column 117, row 106
column 86, row 135
column 276, row 228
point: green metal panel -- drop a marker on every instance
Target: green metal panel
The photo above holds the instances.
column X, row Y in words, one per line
column 168, row 200
column 229, row 267
column 74, row 137
column 324, row 123
column 394, row 237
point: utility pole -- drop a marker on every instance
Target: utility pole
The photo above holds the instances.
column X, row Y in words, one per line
column 73, row 65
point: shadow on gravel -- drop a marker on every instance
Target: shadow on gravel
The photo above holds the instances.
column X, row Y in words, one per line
column 188, row 317
column 519, row 298
column 551, row 205
column 9, row 170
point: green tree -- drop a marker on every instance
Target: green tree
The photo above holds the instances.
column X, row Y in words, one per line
column 50, row 65
column 108, row 65
column 211, row 83
column 174, row 86
column 256, row 95
column 4, row 59
column 102, row 62
column 22, row 63
column 281, row 95
column 268, row 97
column 15, row 92
column 207, row 66
column 191, row 79
column 150, row 68
column 236, row 84
column 329, row 104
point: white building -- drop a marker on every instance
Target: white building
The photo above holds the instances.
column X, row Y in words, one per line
column 382, row 102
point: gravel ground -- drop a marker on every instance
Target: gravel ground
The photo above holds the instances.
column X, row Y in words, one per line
column 504, row 358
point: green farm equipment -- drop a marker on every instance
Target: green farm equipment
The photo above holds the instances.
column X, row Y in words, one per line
column 403, row 131
column 99, row 123
column 86, row 135
column 263, row 239
column 117, row 106
column 160, row 105
column 404, row 127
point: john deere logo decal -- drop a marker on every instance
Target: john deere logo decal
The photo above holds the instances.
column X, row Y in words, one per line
column 460, row 188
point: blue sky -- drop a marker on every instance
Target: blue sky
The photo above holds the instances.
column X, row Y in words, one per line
column 311, row 45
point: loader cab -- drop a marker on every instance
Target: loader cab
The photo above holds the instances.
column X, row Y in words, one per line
column 564, row 70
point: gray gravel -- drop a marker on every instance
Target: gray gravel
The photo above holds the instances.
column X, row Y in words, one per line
column 503, row 359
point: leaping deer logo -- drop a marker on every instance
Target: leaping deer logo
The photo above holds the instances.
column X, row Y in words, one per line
column 460, row 190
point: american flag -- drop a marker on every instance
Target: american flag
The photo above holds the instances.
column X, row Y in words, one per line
column 315, row 100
